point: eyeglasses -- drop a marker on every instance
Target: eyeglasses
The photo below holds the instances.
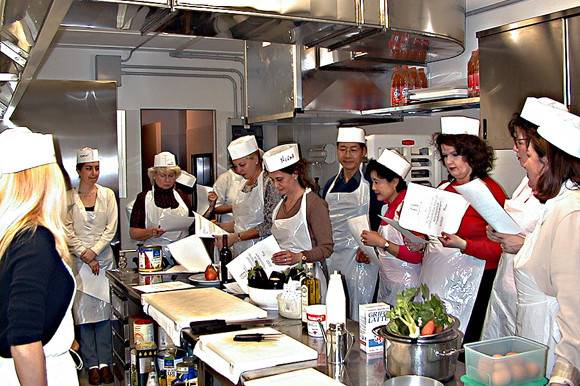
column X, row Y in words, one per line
column 521, row 141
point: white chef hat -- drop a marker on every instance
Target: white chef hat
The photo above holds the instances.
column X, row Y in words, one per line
column 242, row 146
column 535, row 110
column 21, row 149
column 561, row 129
column 164, row 159
column 281, row 156
column 86, row 154
column 391, row 159
column 459, row 125
column 351, row 134
column 186, row 179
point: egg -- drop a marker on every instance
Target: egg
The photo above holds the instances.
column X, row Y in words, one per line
column 501, row 377
column 518, row 372
column 511, row 353
column 533, row 369
column 484, row 369
column 497, row 356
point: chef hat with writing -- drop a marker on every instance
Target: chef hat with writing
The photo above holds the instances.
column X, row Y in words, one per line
column 351, row 134
column 394, row 161
column 561, row 129
column 281, row 156
column 242, row 146
column 459, row 125
column 86, row 154
column 21, row 149
column 536, row 110
column 164, row 159
column 186, row 179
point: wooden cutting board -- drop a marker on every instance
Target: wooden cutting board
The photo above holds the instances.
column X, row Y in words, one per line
column 305, row 377
column 199, row 304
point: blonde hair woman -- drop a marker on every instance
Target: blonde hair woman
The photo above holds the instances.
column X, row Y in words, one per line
column 36, row 286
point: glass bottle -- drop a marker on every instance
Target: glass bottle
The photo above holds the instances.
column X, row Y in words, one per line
column 310, row 291
column 225, row 258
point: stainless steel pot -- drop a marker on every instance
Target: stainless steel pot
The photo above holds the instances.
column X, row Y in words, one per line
column 433, row 356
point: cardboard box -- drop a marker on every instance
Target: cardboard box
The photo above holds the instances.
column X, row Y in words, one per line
column 371, row 316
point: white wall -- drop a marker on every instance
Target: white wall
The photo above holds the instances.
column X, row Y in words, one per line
column 456, row 69
column 151, row 92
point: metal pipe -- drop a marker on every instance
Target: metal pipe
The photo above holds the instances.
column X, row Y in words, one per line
column 216, row 76
column 201, row 69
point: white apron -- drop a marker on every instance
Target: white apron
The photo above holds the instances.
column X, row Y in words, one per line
column 60, row 367
column 500, row 319
column 395, row 274
column 248, row 212
column 536, row 311
column 360, row 278
column 92, row 297
column 454, row 276
column 292, row 235
column 153, row 215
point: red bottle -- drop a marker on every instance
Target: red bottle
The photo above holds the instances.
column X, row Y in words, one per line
column 476, row 73
column 396, row 87
column 423, row 78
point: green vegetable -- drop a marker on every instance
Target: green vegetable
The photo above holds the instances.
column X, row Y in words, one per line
column 408, row 316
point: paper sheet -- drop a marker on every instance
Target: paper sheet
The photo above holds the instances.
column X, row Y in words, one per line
column 201, row 194
column 356, row 225
column 206, row 229
column 405, row 232
column 431, row 211
column 162, row 287
column 171, row 222
column 93, row 285
column 479, row 196
column 190, row 253
column 262, row 253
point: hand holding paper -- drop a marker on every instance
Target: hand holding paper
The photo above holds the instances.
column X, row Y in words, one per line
column 479, row 196
column 170, row 222
column 405, row 232
column 356, row 225
column 202, row 202
column 206, row 229
column 432, row 211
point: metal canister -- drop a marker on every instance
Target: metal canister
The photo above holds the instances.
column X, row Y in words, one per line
column 167, row 361
column 143, row 330
column 150, row 279
column 143, row 363
column 150, row 258
column 186, row 371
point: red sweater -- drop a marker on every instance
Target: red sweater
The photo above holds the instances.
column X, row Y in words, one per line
column 472, row 228
column 394, row 208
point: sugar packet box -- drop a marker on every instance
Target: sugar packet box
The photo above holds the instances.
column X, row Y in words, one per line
column 370, row 316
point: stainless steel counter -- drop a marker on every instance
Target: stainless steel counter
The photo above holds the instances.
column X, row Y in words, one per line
column 360, row 369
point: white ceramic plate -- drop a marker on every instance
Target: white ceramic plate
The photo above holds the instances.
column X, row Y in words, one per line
column 199, row 279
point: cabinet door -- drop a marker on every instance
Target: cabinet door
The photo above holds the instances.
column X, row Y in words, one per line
column 515, row 64
column 574, row 63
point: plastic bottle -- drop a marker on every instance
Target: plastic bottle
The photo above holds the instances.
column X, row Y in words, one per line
column 335, row 300
column 396, row 87
column 470, row 87
column 423, row 78
column 310, row 291
column 406, row 81
column 476, row 73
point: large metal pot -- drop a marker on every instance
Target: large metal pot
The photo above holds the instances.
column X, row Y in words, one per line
column 433, row 356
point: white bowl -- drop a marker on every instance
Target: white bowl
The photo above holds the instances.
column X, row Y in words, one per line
column 264, row 298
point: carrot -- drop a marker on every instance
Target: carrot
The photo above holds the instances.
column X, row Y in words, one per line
column 428, row 328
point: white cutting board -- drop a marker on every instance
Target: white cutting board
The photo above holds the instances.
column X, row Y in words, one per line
column 304, row 377
column 221, row 352
column 199, row 304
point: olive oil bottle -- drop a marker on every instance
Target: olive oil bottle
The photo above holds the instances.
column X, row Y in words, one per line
column 310, row 291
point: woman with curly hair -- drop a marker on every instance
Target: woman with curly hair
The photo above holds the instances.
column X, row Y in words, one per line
column 461, row 267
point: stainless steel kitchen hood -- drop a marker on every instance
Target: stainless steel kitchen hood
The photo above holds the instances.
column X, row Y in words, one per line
column 27, row 30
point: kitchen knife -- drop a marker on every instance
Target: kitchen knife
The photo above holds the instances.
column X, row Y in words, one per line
column 255, row 337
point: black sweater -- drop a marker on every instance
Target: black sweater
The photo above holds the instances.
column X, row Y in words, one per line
column 35, row 290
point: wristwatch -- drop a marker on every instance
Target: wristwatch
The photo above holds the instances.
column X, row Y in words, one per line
column 303, row 258
column 386, row 245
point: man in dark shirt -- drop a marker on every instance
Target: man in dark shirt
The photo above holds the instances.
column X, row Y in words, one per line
column 349, row 195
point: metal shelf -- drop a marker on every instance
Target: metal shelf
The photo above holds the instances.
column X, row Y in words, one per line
column 427, row 107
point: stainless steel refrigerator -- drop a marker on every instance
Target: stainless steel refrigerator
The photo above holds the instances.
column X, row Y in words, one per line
column 533, row 57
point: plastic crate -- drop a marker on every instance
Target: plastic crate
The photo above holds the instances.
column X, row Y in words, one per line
column 505, row 361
